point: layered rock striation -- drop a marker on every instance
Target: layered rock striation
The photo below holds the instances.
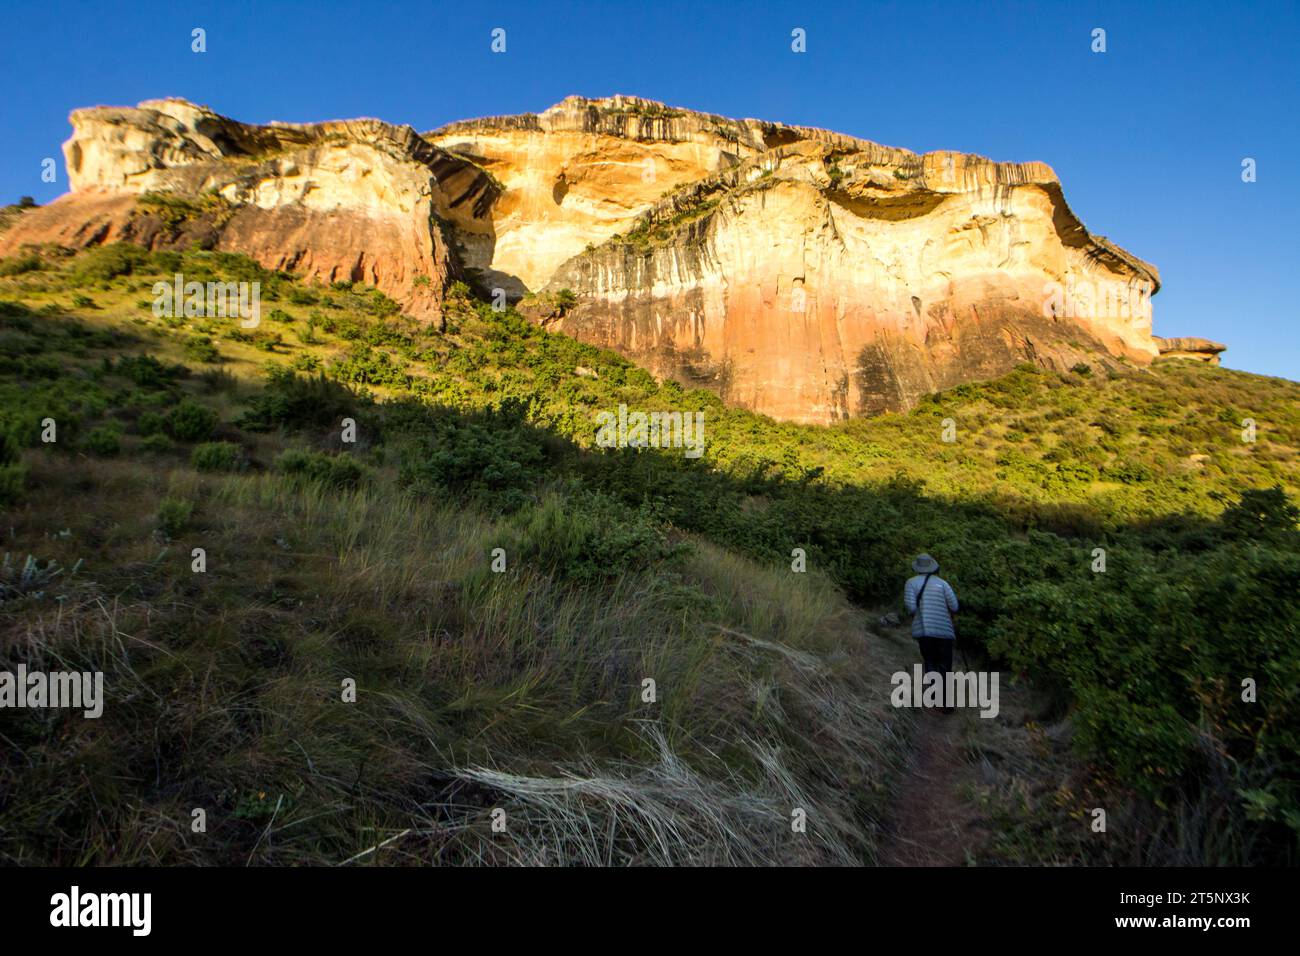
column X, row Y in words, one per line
column 1190, row 347
column 801, row 273
column 349, row 200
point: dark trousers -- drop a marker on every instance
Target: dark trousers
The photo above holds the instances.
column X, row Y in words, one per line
column 936, row 652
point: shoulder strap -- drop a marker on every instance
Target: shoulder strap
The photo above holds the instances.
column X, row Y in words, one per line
column 919, row 595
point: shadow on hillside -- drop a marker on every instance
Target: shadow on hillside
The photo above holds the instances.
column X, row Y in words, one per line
column 1127, row 628
column 1146, row 631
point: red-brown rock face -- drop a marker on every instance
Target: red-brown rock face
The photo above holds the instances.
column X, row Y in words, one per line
column 798, row 272
column 816, row 282
column 356, row 200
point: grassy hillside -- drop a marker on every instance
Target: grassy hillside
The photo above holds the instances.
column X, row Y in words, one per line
column 372, row 559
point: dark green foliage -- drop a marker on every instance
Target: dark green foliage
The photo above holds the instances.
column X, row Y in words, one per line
column 1155, row 650
column 166, row 263
column 1262, row 514
column 147, row 372
column 494, row 456
column 333, row 471
column 191, row 421
column 297, row 401
column 366, row 366
column 218, row 380
column 261, row 339
column 150, row 423
column 20, row 263
column 12, row 479
column 106, row 441
column 174, row 515
column 588, row 537
column 381, row 305
column 102, row 263
column 175, row 209
column 13, row 473
column 10, row 451
column 199, row 348
column 218, row 456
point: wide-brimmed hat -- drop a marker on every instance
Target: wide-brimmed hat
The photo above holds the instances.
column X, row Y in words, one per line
column 924, row 564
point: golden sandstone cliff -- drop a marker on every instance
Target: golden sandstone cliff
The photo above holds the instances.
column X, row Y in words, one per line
column 800, row 273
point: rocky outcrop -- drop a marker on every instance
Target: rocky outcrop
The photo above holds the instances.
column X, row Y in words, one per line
column 581, row 172
column 801, row 273
column 1197, row 349
column 798, row 272
column 354, row 200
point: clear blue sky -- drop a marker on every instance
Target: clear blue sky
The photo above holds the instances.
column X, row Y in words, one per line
column 1148, row 138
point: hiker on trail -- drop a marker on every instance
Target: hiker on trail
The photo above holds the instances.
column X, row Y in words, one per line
column 931, row 601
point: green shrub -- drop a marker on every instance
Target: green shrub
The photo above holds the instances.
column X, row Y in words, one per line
column 176, row 209
column 103, row 263
column 106, row 441
column 199, row 348
column 314, row 321
column 191, row 422
column 12, row 479
column 166, row 262
column 174, row 516
column 295, row 401
column 150, row 423
column 1261, row 513
column 335, row 471
column 218, row 380
column 261, row 339
column 381, row 305
column 218, row 456
column 1129, row 471
column 13, row 473
column 18, row 264
column 10, row 449
column 589, row 537
column 492, row 456
column 366, row 366
column 147, row 372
